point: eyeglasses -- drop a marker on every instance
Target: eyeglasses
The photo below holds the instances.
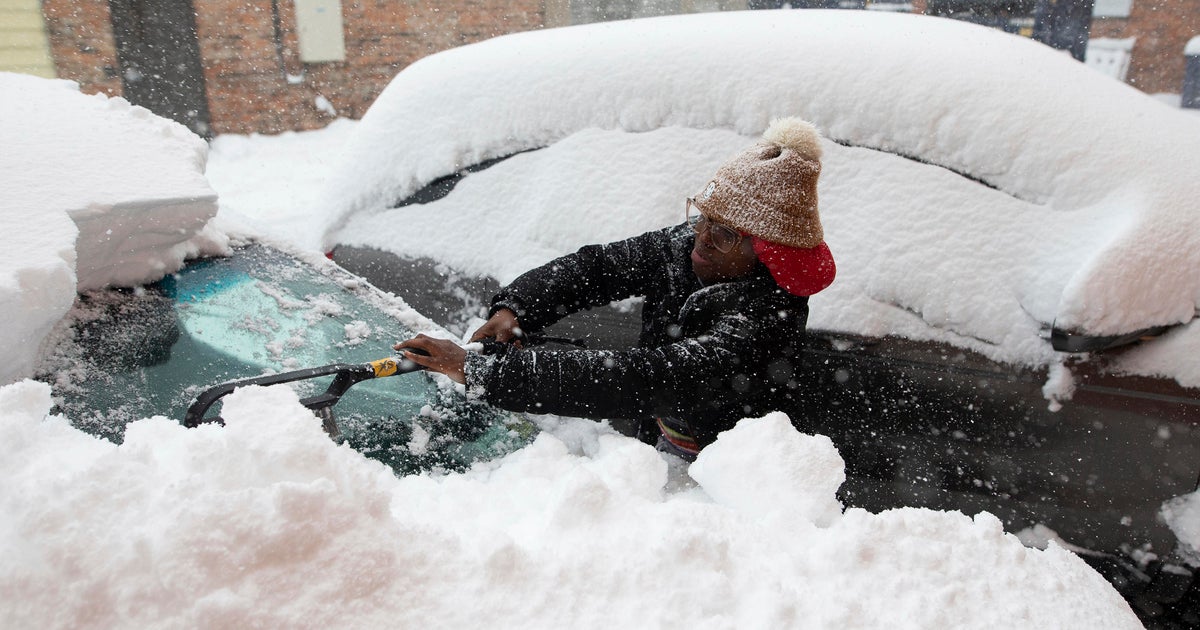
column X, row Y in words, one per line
column 723, row 237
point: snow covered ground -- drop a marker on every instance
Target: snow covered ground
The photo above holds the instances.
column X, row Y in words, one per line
column 265, row 522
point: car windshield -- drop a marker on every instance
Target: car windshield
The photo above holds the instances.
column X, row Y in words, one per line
column 134, row 354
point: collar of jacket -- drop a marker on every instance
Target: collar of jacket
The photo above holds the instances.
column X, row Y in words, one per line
column 757, row 282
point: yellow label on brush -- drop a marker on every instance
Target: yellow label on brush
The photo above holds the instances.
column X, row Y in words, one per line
column 384, row 367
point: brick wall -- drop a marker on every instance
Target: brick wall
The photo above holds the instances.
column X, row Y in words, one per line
column 1162, row 28
column 255, row 86
column 248, row 79
column 82, row 44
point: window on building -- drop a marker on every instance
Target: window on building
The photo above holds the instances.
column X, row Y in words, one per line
column 1112, row 8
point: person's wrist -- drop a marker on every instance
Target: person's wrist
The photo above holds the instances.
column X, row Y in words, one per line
column 477, row 369
column 506, row 305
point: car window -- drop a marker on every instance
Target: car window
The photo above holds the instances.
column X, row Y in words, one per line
column 131, row 354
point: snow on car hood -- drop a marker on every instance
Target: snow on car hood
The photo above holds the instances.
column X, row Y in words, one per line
column 1092, row 226
column 266, row 522
column 97, row 192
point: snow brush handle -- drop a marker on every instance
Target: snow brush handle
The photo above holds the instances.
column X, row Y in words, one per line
column 347, row 375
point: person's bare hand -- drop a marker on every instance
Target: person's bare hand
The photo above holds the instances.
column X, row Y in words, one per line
column 442, row 355
column 503, row 327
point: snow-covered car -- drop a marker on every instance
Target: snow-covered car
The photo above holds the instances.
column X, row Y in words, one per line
column 108, row 202
column 1013, row 327
column 267, row 522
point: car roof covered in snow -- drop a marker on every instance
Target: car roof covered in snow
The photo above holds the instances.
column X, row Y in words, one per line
column 1033, row 192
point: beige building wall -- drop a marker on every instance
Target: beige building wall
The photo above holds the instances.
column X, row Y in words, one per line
column 24, row 46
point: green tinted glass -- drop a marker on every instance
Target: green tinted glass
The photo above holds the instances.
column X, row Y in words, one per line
column 134, row 354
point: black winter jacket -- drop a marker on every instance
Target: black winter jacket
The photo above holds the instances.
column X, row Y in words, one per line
column 707, row 355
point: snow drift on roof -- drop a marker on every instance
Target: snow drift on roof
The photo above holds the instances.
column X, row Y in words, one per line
column 1102, row 174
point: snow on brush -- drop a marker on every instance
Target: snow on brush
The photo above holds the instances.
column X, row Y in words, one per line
column 96, row 192
column 266, row 522
column 1076, row 209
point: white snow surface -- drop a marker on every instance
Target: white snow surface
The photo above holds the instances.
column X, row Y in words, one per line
column 266, row 523
column 96, row 192
column 1182, row 515
column 1192, row 48
column 268, row 184
column 1091, row 222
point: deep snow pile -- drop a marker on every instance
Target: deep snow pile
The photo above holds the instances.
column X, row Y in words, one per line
column 1182, row 515
column 97, row 192
column 1091, row 225
column 266, row 522
column 268, row 183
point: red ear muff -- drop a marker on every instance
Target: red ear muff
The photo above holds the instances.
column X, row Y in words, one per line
column 798, row 271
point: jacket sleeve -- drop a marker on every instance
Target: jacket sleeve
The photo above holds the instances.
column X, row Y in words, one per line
column 593, row 276
column 670, row 380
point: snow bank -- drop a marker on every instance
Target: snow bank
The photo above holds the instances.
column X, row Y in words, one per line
column 268, row 183
column 1182, row 515
column 266, row 522
column 101, row 193
column 37, row 282
column 1096, row 186
column 776, row 460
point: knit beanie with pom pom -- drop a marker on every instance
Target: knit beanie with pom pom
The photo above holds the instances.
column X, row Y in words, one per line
column 769, row 191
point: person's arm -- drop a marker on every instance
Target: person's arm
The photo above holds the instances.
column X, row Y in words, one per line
column 595, row 383
column 592, row 276
column 501, row 326
column 640, row 382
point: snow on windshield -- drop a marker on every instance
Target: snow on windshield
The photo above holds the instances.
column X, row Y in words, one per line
column 1091, row 224
column 101, row 193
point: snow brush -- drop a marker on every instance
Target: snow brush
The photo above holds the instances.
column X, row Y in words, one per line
column 347, row 375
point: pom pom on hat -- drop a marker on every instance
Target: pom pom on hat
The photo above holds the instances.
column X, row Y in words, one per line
column 795, row 134
column 769, row 190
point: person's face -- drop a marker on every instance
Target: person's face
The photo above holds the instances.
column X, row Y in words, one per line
column 720, row 253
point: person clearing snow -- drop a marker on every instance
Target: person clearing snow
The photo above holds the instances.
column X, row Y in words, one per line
column 726, row 306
